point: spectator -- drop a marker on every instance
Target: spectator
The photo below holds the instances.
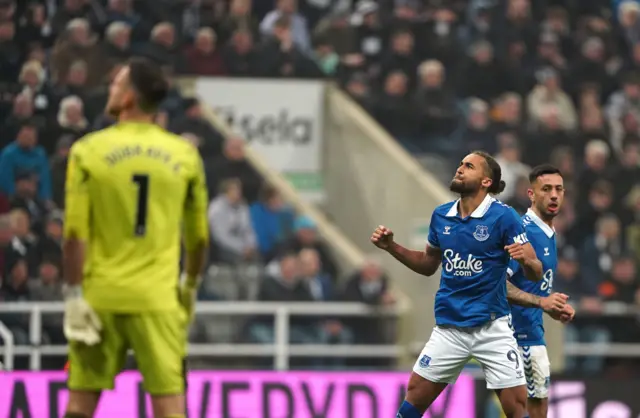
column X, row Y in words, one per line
column 162, row 47
column 71, row 9
column 281, row 57
column 239, row 56
column 596, row 166
column 194, row 122
column 393, row 111
column 71, row 119
column 10, row 54
column 230, row 224
column 320, row 287
column 598, row 251
column 22, row 113
column 233, row 164
column 359, row 88
column 78, row 43
column 306, row 236
column 33, row 81
column 549, row 92
column 24, row 244
column 15, row 289
column 436, row 104
column 512, row 168
column 401, row 57
column 368, row 285
column 58, row 168
column 482, row 76
column 283, row 284
column 508, row 113
column 116, row 48
column 203, row 58
column 272, row 221
column 477, row 132
column 299, row 32
column 122, row 11
column 585, row 328
column 47, row 287
column 75, row 81
column 520, row 199
column 35, row 29
column 25, row 155
column 26, row 198
column 239, row 18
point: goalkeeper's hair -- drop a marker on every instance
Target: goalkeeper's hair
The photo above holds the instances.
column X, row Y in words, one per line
column 149, row 82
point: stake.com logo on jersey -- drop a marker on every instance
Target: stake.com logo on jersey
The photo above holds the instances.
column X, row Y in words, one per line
column 459, row 266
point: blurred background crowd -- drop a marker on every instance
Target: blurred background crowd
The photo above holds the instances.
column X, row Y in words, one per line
column 528, row 81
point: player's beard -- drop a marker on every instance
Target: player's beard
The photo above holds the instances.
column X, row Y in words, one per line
column 546, row 215
column 463, row 188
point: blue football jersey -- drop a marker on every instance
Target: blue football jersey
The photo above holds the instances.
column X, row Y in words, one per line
column 473, row 285
column 527, row 322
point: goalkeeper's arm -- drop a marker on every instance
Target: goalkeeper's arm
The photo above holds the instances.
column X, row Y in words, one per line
column 196, row 237
column 80, row 321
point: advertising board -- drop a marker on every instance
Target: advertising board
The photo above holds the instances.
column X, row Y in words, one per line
column 250, row 394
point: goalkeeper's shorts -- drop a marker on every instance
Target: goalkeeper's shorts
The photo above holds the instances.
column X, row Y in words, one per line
column 158, row 341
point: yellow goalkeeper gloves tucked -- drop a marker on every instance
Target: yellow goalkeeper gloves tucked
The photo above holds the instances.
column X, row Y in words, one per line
column 81, row 323
column 189, row 293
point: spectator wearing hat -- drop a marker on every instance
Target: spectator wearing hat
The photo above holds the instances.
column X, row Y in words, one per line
column 306, row 236
column 25, row 155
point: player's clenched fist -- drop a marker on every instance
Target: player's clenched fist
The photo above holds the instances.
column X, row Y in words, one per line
column 516, row 251
column 382, row 237
column 554, row 303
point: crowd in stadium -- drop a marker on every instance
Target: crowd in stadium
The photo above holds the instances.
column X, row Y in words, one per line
column 528, row 81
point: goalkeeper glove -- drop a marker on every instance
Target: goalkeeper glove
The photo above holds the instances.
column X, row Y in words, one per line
column 189, row 293
column 81, row 323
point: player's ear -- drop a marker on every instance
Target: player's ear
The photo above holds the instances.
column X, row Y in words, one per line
column 530, row 194
column 486, row 182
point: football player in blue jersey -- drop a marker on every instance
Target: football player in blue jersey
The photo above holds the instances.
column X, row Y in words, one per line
column 546, row 194
column 473, row 238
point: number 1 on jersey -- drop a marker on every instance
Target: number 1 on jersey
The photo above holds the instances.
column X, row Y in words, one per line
column 142, row 181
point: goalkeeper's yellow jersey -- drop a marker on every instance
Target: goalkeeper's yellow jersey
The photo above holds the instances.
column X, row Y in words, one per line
column 132, row 190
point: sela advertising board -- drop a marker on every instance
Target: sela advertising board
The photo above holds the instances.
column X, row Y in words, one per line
column 282, row 121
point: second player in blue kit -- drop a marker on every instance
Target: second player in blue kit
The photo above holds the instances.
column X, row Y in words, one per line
column 547, row 195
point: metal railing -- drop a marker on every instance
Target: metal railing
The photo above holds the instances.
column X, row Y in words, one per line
column 281, row 350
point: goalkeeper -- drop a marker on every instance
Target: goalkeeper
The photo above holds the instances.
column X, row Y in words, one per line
column 132, row 192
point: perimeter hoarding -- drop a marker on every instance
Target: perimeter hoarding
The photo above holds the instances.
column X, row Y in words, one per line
column 241, row 395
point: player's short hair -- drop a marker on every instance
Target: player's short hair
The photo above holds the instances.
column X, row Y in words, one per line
column 494, row 172
column 542, row 170
column 149, row 82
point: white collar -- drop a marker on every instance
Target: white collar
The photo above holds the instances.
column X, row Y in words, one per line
column 480, row 211
column 549, row 231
